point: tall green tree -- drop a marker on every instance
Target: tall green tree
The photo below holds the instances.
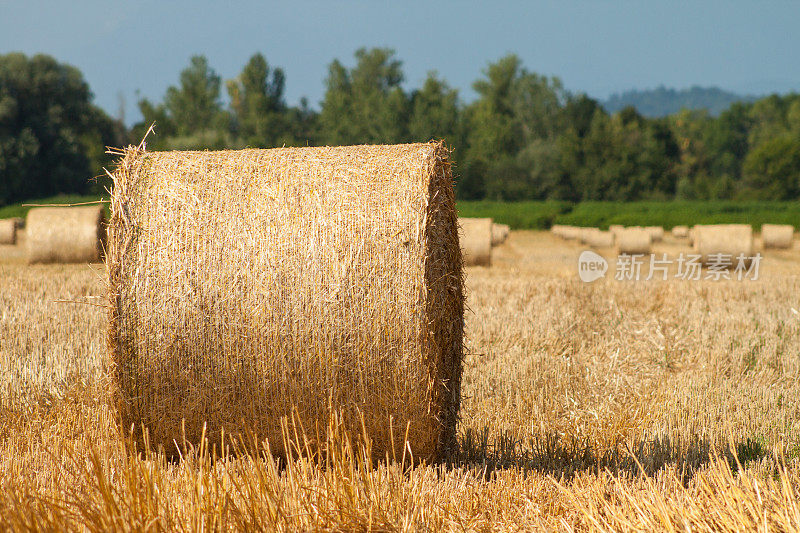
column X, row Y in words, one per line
column 434, row 111
column 259, row 109
column 365, row 104
column 47, row 127
column 772, row 170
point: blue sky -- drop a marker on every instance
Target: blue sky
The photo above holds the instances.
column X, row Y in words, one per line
column 598, row 47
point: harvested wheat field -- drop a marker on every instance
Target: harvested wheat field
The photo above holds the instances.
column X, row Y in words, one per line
column 606, row 406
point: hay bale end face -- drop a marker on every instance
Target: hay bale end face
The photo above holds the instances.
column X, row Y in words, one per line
column 680, row 232
column 8, row 231
column 500, row 233
column 727, row 239
column 600, row 239
column 65, row 234
column 634, row 241
column 777, row 235
column 249, row 285
column 656, row 233
column 476, row 241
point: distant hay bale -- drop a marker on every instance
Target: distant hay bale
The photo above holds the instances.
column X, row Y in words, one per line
column 571, row 233
column 656, row 232
column 8, row 231
column 634, row 241
column 584, row 234
column 600, row 239
column 777, row 235
column 727, row 239
column 557, row 230
column 476, row 241
column 247, row 286
column 499, row 233
column 615, row 228
column 65, row 234
column 680, row 232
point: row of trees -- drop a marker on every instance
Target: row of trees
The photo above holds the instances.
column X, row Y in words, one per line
column 523, row 137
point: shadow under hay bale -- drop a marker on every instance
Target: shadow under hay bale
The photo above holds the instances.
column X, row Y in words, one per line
column 777, row 235
column 476, row 241
column 727, row 239
column 65, row 234
column 247, row 286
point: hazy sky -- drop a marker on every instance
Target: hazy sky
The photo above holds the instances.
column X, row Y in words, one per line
column 598, row 47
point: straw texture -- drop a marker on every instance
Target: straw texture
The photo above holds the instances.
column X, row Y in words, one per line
column 65, row 234
column 499, row 233
column 727, row 239
column 680, row 232
column 777, row 235
column 476, row 241
column 8, row 231
column 247, row 286
column 634, row 241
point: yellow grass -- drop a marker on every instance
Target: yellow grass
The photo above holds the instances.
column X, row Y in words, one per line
column 608, row 406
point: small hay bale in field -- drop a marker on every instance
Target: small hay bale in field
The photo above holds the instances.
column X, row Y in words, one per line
column 615, row 228
column 65, row 234
column 634, row 241
column 557, row 230
column 656, row 232
column 777, row 235
column 247, row 286
column 8, row 231
column 680, row 232
column 727, row 239
column 571, row 233
column 584, row 234
column 600, row 239
column 476, row 241
column 499, row 233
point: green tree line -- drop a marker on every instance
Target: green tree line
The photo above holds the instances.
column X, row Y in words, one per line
column 523, row 137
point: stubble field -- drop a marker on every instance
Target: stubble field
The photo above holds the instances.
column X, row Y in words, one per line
column 650, row 405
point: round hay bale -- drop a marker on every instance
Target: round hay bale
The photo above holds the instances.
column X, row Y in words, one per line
column 8, row 231
column 777, row 235
column 727, row 239
column 584, row 234
column 634, row 241
column 499, row 233
column 600, row 239
column 656, row 232
column 476, row 241
column 247, row 286
column 615, row 228
column 572, row 233
column 680, row 232
column 65, row 234
column 557, row 230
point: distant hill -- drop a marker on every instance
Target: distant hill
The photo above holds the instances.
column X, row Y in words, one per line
column 663, row 101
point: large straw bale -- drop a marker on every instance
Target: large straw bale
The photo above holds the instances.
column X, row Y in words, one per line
column 680, row 232
column 247, row 286
column 727, row 239
column 8, row 231
column 500, row 233
column 476, row 240
column 656, row 233
column 777, row 235
column 600, row 239
column 65, row 234
column 634, row 240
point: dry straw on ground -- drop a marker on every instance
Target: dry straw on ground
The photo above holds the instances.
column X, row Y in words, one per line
column 600, row 239
column 777, row 235
column 65, row 234
column 476, row 240
column 634, row 241
column 247, row 286
column 8, row 231
column 680, row 232
column 656, row 232
column 499, row 233
column 719, row 240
